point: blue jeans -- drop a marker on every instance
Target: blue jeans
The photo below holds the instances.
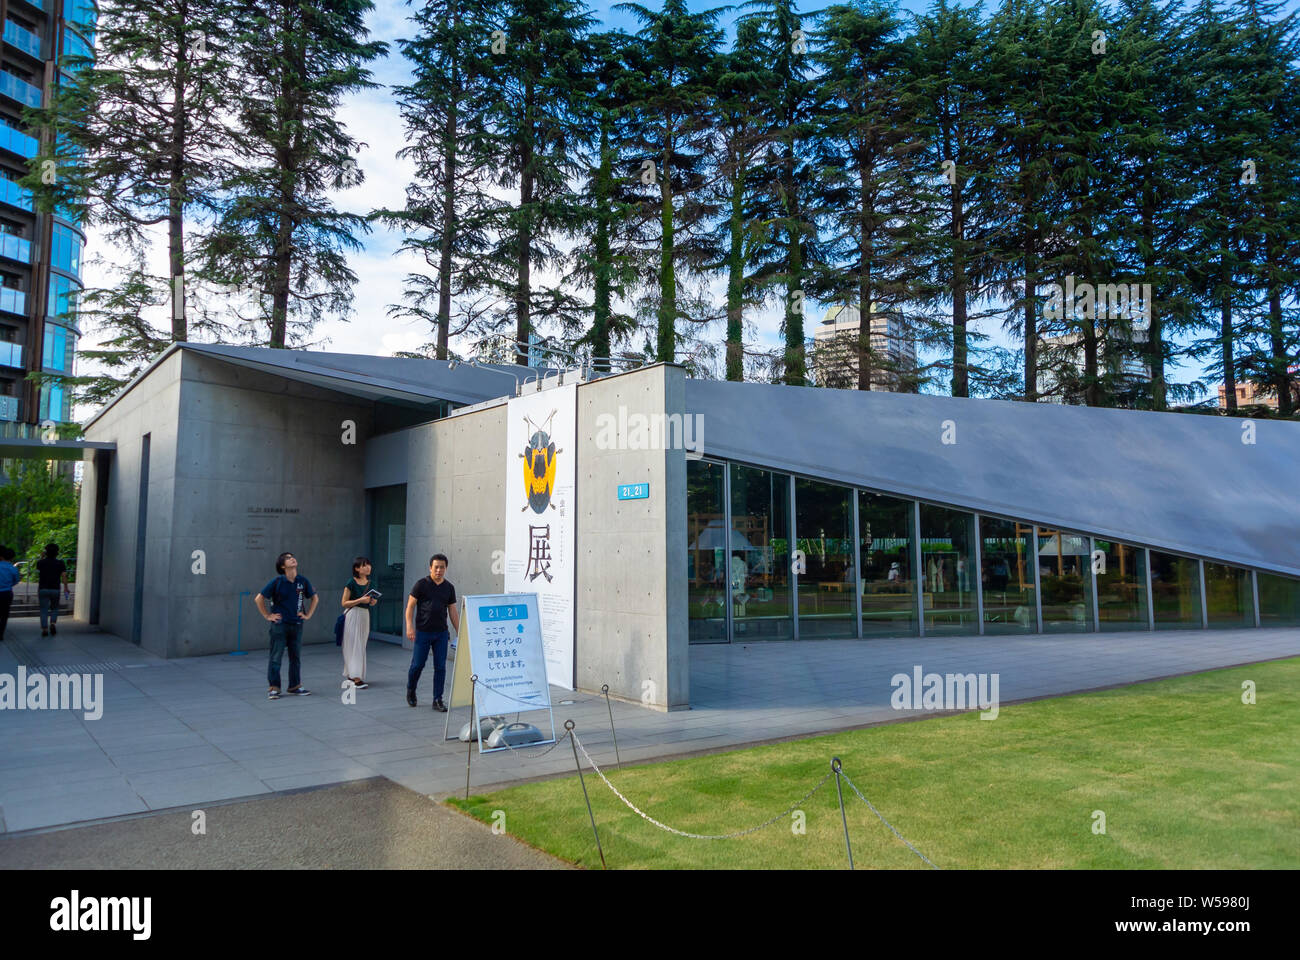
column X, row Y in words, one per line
column 49, row 606
column 424, row 640
column 285, row 635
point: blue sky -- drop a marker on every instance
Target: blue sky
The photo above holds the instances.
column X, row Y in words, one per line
column 373, row 118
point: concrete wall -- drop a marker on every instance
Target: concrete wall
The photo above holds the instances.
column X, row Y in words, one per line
column 455, row 495
column 252, row 449
column 631, row 611
column 630, row 617
column 233, row 454
column 150, row 407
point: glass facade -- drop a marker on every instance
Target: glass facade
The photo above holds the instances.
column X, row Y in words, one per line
column 1175, row 591
column 1279, row 600
column 24, row 40
column 948, row 570
column 65, row 249
column 1065, row 571
column 858, row 563
column 761, row 607
column 59, row 343
column 62, row 298
column 886, row 545
column 706, row 550
column 1007, row 571
column 1121, row 573
column 827, row 577
column 1228, row 596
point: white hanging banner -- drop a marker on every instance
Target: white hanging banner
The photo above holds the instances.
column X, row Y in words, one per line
column 541, row 471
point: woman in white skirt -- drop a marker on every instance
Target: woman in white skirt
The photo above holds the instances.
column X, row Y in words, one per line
column 356, row 622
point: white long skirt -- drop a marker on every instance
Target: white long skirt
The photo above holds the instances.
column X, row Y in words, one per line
column 356, row 631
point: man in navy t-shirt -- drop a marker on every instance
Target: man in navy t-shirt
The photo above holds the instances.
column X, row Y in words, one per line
column 293, row 601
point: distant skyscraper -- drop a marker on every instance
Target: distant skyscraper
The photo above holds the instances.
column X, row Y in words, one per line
column 835, row 358
column 40, row 254
column 1061, row 366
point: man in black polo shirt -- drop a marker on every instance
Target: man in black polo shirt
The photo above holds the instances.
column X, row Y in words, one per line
column 432, row 599
column 288, row 594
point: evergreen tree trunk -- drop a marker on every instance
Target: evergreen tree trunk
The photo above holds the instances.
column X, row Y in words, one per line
column 960, row 355
column 176, row 191
column 666, row 339
column 604, row 267
column 1225, row 337
column 1155, row 329
column 523, row 291
column 736, row 280
column 866, row 257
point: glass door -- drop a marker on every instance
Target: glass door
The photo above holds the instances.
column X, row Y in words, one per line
column 387, row 509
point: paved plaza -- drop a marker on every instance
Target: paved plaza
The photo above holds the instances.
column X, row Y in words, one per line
column 176, row 734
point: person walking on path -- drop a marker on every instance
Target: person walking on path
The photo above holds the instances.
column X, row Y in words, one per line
column 432, row 599
column 288, row 593
column 357, row 601
column 9, row 576
column 49, row 570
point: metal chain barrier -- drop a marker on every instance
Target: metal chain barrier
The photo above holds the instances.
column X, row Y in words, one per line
column 697, row 836
column 883, row 820
column 504, row 743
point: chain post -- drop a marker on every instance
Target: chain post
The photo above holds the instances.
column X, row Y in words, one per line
column 473, row 681
column 618, row 761
column 568, row 725
column 839, row 790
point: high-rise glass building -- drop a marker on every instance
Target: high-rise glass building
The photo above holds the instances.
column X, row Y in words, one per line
column 40, row 254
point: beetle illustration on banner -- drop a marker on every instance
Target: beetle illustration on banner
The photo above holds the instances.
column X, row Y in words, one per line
column 541, row 446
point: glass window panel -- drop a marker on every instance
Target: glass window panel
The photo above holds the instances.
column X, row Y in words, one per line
column 1228, row 597
column 1279, row 600
column 1175, row 591
column 886, row 539
column 760, row 555
column 824, row 526
column 1121, row 586
column 1007, row 576
column 1065, row 572
column 947, row 570
column 706, row 552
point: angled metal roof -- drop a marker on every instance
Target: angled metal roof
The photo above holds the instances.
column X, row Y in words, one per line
column 395, row 379
column 381, row 378
column 1177, row 482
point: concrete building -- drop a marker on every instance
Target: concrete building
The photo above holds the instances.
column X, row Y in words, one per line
column 835, row 345
column 40, row 254
column 1061, row 365
column 1250, row 393
column 916, row 515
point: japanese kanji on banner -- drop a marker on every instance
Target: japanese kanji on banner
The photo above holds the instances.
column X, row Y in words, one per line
column 541, row 450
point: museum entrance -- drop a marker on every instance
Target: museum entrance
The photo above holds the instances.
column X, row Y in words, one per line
column 386, row 508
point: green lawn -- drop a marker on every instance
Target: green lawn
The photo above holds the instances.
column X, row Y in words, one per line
column 1187, row 775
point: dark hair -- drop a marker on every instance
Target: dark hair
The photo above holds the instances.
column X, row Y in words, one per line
column 359, row 562
column 7, row 553
column 279, row 561
column 438, row 556
column 51, row 550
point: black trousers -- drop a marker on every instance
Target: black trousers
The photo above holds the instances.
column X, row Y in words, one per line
column 6, row 601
